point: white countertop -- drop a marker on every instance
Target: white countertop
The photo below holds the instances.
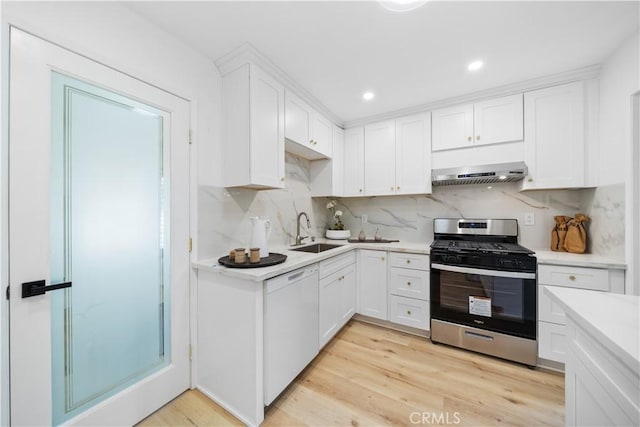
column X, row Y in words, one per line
column 612, row 319
column 578, row 260
column 297, row 259
column 300, row 259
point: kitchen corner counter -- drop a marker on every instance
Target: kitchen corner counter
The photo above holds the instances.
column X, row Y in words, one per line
column 578, row 260
column 612, row 319
column 297, row 259
column 602, row 366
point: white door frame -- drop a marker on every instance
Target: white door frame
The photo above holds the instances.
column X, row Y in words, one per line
column 60, row 61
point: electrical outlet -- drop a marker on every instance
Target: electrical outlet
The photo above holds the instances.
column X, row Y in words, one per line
column 529, row 218
column 365, row 219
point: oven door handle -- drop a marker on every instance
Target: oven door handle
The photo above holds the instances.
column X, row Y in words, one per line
column 480, row 271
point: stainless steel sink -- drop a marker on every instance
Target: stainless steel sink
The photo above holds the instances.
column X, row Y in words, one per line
column 316, row 248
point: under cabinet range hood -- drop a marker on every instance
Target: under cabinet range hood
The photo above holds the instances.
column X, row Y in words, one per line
column 485, row 174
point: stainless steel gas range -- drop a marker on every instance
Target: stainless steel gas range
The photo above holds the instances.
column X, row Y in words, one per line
column 484, row 288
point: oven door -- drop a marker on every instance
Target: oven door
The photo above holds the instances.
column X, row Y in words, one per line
column 500, row 301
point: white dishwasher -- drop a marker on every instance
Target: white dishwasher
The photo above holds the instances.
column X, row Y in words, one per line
column 290, row 328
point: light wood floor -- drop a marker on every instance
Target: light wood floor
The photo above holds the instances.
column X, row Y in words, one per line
column 371, row 376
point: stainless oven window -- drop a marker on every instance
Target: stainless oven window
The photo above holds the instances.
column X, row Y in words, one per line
column 503, row 296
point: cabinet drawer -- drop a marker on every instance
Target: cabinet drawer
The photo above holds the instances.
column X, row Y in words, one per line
column 409, row 312
column 552, row 341
column 413, row 261
column 574, row 277
column 409, row 283
column 331, row 265
column 548, row 309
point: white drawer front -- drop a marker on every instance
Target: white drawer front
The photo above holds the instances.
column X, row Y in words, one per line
column 548, row 309
column 409, row 283
column 413, row 261
column 552, row 341
column 574, row 277
column 409, row 312
column 331, row 265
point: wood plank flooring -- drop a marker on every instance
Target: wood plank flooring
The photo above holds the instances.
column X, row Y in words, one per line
column 371, row 376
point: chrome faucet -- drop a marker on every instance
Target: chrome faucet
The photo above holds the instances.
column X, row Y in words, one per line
column 299, row 238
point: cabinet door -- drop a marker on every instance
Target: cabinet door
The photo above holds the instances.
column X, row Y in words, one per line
column 267, row 130
column 554, row 137
column 452, row 128
column 298, row 120
column 413, row 154
column 328, row 307
column 379, row 159
column 348, row 292
column 354, row 162
column 498, row 120
column 321, row 135
column 372, row 284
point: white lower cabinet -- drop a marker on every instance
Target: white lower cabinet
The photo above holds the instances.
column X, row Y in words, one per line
column 552, row 340
column 408, row 290
column 337, row 296
column 409, row 312
column 372, row 283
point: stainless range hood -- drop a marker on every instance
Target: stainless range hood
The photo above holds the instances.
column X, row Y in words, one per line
column 485, row 174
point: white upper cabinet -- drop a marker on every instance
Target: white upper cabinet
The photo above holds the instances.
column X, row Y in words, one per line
column 379, row 158
column 413, row 154
column 327, row 176
column 253, row 129
column 498, row 120
column 554, row 144
column 452, row 127
column 354, row 162
column 308, row 133
column 489, row 122
column 397, row 156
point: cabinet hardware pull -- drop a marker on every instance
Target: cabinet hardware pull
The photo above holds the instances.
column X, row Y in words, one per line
column 469, row 138
column 361, row 190
column 392, row 188
column 408, row 261
column 398, row 187
column 282, row 179
column 382, row 258
column 478, row 138
column 572, row 277
column 409, row 312
column 530, row 180
column 408, row 283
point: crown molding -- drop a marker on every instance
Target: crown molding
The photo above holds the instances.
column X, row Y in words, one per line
column 247, row 53
column 585, row 73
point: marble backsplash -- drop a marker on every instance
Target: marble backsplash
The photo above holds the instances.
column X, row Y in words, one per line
column 224, row 213
column 606, row 207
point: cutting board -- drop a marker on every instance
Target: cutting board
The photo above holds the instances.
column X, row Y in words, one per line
column 372, row 241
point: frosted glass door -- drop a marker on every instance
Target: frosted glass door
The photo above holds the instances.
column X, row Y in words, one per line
column 98, row 196
column 109, row 221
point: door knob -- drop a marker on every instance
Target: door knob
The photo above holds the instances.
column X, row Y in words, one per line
column 31, row 289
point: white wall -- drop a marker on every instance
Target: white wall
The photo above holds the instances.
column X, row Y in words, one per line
column 620, row 79
column 117, row 37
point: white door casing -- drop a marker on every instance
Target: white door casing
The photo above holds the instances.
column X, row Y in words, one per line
column 32, row 62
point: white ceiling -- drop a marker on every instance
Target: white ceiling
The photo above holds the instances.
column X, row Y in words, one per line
column 337, row 50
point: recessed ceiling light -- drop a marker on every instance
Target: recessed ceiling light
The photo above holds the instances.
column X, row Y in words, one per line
column 401, row 5
column 368, row 96
column 475, row 65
